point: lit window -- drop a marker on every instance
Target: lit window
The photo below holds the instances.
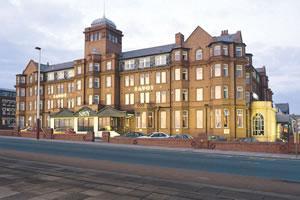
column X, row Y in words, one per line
column 126, row 81
column 258, row 124
column 90, row 99
column 199, row 94
column 90, row 67
column 144, row 97
column 129, row 99
column 131, row 82
column 217, row 68
column 160, row 60
column 199, row 55
column 78, row 101
column 199, row 118
column 157, row 97
column 163, row 119
column 177, row 56
column 108, row 99
column 129, row 64
column 177, row 94
column 78, row 84
column 163, row 77
column 144, row 79
column 240, row 120
column 90, row 82
column 108, row 65
column 79, row 70
column 217, row 92
column 108, row 81
column 158, row 77
column 199, row 73
column 218, row 118
column 177, row 119
column 177, row 74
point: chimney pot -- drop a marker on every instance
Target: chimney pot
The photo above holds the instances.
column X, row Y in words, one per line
column 179, row 39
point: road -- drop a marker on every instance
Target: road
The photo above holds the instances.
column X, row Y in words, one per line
column 139, row 173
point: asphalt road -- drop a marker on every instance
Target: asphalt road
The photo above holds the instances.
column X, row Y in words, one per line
column 181, row 171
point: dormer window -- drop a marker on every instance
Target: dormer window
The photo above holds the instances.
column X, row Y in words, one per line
column 199, row 54
column 144, row 62
column 217, row 50
column 238, row 51
column 129, row 64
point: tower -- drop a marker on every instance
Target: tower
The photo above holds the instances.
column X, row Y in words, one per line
column 102, row 37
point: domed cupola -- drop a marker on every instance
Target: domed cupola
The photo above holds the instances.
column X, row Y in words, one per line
column 103, row 21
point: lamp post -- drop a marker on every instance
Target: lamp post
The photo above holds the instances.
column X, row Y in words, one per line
column 38, row 96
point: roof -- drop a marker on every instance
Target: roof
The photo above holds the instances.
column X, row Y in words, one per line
column 60, row 66
column 236, row 37
column 111, row 112
column 283, row 107
column 148, row 51
column 63, row 113
column 103, row 21
column 282, row 118
column 261, row 69
column 85, row 112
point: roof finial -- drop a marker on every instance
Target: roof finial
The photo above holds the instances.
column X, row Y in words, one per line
column 103, row 8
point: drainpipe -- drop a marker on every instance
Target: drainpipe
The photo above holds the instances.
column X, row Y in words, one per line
column 170, row 99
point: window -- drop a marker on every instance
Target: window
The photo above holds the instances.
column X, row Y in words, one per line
column 90, row 82
column 226, row 118
column 238, row 51
column 185, row 118
column 177, row 56
column 144, row 97
column 70, row 103
column 160, row 60
column 217, row 92
column 78, row 85
column 247, row 78
column 177, row 119
column 129, row 80
column 225, row 92
column 30, row 92
column 108, row 65
column 199, row 55
column 129, row 64
column 258, row 124
column 158, row 74
column 144, row 62
column 239, row 92
column 108, row 81
column 185, row 95
column 150, row 119
column 212, row 92
column 22, row 92
column 217, row 68
column 239, row 71
column 108, row 99
column 90, row 99
column 163, row 77
column 225, row 70
column 129, row 99
column 96, row 67
column 177, row 74
column 96, row 99
column 218, row 118
column 199, row 118
column 247, row 97
column 144, row 79
column 85, row 124
column 70, row 87
column 163, row 119
column 78, row 101
column 79, row 70
column 199, row 94
column 22, row 106
column 90, row 67
column 185, row 74
column 177, row 94
column 225, row 50
column 103, row 123
column 157, row 97
column 239, row 113
column 185, row 55
column 217, row 50
column 199, row 73
column 96, row 82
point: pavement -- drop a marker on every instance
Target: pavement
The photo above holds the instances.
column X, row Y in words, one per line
column 31, row 169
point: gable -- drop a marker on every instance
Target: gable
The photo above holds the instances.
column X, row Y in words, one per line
column 30, row 68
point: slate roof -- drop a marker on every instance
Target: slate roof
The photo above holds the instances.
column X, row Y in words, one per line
column 63, row 113
column 260, row 69
column 283, row 107
column 229, row 38
column 148, row 51
column 111, row 112
column 282, row 118
column 56, row 67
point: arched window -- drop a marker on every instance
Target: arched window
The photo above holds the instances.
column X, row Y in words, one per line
column 258, row 124
column 199, row 55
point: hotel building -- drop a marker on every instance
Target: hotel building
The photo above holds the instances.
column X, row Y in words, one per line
column 200, row 85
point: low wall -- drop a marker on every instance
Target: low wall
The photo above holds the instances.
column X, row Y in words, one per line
column 74, row 137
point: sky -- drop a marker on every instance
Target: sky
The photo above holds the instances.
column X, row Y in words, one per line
column 270, row 29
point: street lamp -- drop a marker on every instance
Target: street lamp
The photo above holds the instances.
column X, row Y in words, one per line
column 38, row 96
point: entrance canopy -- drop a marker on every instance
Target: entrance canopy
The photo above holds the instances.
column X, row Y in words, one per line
column 62, row 114
column 108, row 111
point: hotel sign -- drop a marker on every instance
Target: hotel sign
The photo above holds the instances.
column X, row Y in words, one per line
column 84, row 113
column 143, row 88
column 58, row 96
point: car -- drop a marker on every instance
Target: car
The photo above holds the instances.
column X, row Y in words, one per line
column 249, row 140
column 134, row 134
column 156, row 135
column 27, row 129
column 98, row 134
column 59, row 131
column 182, row 136
column 216, row 138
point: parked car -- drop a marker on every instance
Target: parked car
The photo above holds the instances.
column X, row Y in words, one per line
column 156, row 135
column 134, row 134
column 59, row 131
column 251, row 139
column 182, row 136
column 98, row 134
column 27, row 129
column 216, row 138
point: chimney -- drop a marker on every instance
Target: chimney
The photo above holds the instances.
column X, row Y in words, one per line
column 224, row 32
column 179, row 39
